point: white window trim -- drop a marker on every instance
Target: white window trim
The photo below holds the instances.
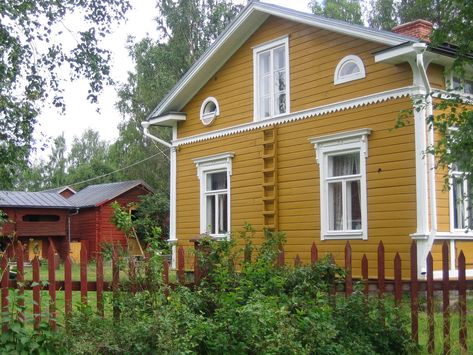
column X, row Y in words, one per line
column 261, row 48
column 334, row 144
column 338, row 79
column 208, row 118
column 210, row 164
column 456, row 231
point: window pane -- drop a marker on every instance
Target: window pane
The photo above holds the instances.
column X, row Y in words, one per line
column 456, row 83
column 346, row 164
column 265, row 86
column 280, row 83
column 279, row 58
column 468, row 89
column 335, row 206
column 265, row 107
column 458, row 204
column 222, row 214
column 353, row 205
column 264, row 63
column 281, row 104
column 217, row 181
column 210, row 214
column 349, row 69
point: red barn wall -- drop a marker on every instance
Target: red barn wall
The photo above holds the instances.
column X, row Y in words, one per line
column 108, row 232
column 38, row 230
column 84, row 228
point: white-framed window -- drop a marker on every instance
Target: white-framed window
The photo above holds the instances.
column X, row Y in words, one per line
column 214, row 173
column 271, row 79
column 343, row 203
column 461, row 218
column 463, row 85
column 209, row 110
column 349, row 68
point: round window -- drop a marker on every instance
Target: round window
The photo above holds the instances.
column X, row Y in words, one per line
column 209, row 110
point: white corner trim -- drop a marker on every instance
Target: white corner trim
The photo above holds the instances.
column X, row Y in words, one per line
column 339, row 79
column 300, row 115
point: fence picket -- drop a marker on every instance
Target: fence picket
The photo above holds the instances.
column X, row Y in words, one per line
column 297, row 261
column 68, row 286
column 381, row 269
column 314, row 254
column 115, row 282
column 281, row 258
column 462, row 302
column 52, row 287
column 430, row 303
column 414, row 294
column 99, row 277
column 364, row 274
column 397, row 279
column 180, row 265
column 36, row 293
column 446, row 299
column 348, row 277
column 20, row 278
column 83, row 273
column 132, row 274
column 4, row 282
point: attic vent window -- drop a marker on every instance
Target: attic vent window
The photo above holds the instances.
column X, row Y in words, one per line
column 40, row 218
column 349, row 68
column 209, row 110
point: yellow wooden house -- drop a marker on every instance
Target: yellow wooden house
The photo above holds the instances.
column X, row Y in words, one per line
column 288, row 122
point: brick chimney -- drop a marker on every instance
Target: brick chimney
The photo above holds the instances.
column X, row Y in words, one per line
column 421, row 29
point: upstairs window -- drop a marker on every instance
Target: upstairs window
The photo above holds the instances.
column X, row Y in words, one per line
column 40, row 218
column 271, row 79
column 209, row 110
column 349, row 68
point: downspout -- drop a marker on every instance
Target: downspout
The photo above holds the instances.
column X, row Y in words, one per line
column 427, row 247
column 172, row 185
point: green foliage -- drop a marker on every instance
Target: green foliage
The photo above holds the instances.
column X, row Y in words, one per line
column 33, row 61
column 345, row 10
column 242, row 307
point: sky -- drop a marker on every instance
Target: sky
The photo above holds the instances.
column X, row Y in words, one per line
column 80, row 114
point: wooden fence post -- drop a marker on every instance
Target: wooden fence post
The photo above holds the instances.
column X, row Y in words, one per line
column 297, row 261
column 68, row 286
column 348, row 267
column 462, row 302
column 20, row 278
column 132, row 274
column 83, row 273
column 36, row 293
column 414, row 294
column 281, row 258
column 446, row 298
column 115, row 282
column 364, row 274
column 99, row 279
column 430, row 303
column 52, row 287
column 381, row 269
column 397, row 279
column 314, row 254
column 181, row 276
column 4, row 282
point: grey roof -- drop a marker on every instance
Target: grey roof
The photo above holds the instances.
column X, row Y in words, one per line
column 33, row 200
column 58, row 190
column 95, row 195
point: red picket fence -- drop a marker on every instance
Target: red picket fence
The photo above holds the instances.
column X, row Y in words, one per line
column 396, row 286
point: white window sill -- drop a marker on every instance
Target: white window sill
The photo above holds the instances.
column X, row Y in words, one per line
column 458, row 234
column 343, row 235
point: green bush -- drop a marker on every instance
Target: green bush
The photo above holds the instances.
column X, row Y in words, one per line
column 243, row 307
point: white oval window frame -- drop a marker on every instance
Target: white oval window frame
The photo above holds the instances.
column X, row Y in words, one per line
column 208, row 117
column 338, row 79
